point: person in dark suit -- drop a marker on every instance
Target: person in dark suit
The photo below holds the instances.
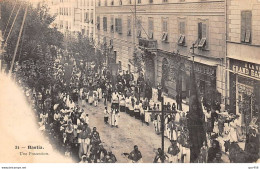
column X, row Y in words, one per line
column 179, row 101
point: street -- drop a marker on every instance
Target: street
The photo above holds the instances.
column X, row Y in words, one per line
column 129, row 133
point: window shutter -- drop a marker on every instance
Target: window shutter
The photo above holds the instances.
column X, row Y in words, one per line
column 248, row 20
column 248, row 26
column 112, row 24
column 204, row 31
column 164, row 26
column 182, row 28
column 243, row 26
column 150, row 28
column 119, row 25
column 199, row 30
column 104, row 23
column 116, row 25
column 129, row 23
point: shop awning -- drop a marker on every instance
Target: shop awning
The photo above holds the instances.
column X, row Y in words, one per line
column 204, row 61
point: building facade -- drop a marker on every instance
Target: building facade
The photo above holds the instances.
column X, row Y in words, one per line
column 165, row 31
column 67, row 17
column 243, row 58
column 86, row 15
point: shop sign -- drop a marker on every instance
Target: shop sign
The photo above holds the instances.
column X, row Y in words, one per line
column 246, row 68
column 202, row 69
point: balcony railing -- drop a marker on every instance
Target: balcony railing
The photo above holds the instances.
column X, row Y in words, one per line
column 149, row 44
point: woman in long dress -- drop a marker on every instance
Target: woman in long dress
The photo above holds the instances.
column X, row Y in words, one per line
column 113, row 117
column 215, row 129
column 116, row 117
column 147, row 115
column 233, row 130
column 208, row 121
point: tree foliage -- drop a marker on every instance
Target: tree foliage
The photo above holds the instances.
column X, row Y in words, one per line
column 85, row 50
column 138, row 61
column 37, row 30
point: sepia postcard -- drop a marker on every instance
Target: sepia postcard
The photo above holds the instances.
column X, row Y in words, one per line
column 129, row 81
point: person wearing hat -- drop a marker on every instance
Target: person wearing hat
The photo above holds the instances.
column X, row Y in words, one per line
column 135, row 156
column 173, row 151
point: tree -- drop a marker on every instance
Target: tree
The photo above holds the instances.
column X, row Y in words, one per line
column 37, row 30
column 35, row 45
column 82, row 46
column 138, row 61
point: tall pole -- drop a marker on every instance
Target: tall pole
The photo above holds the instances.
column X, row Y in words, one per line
column 10, row 31
column 134, row 26
column 9, row 18
column 162, row 126
column 19, row 37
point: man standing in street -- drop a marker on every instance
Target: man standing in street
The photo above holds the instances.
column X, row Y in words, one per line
column 135, row 156
column 106, row 115
column 160, row 156
column 84, row 140
column 173, row 151
column 179, row 101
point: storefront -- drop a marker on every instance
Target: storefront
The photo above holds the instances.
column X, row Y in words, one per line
column 206, row 81
column 244, row 83
column 174, row 71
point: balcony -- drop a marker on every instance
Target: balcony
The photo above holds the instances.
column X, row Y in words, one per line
column 148, row 44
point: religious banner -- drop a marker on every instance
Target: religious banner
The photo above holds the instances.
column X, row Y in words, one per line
column 155, row 95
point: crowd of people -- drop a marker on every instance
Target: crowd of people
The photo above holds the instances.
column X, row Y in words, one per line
column 59, row 108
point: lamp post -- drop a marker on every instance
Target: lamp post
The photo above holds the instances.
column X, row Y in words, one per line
column 162, row 124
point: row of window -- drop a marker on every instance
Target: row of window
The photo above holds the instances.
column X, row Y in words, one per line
column 64, row 1
column 129, row 2
column 201, row 42
column 85, row 2
column 87, row 18
column 65, row 25
column 65, row 11
column 202, row 29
